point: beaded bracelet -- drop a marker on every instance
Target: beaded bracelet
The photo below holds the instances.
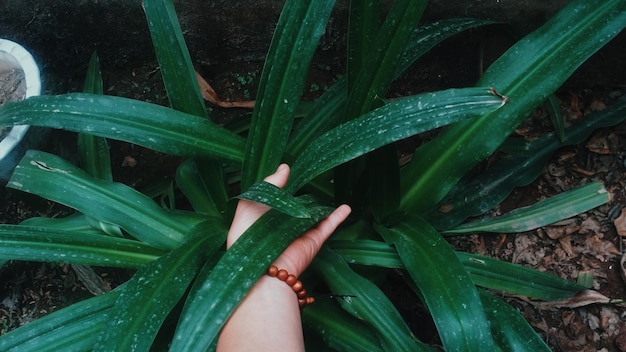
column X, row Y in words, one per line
column 291, row 280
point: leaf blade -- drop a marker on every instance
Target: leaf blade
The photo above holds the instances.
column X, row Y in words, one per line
column 154, row 290
column 545, row 212
column 266, row 193
column 524, row 163
column 369, row 305
column 56, row 179
column 397, row 120
column 174, row 59
column 300, row 26
column 149, row 125
column 446, row 288
column 527, row 73
column 37, row 243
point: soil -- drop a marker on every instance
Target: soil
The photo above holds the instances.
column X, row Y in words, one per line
column 12, row 85
column 586, row 243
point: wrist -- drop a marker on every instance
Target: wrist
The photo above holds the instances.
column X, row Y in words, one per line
column 293, row 283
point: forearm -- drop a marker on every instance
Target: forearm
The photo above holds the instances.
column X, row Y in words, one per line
column 268, row 319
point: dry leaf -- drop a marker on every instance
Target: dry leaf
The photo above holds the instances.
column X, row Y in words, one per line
column 597, row 247
column 582, row 299
column 574, row 325
column 209, row 94
column 622, row 268
column 620, row 223
column 603, row 143
column 566, row 244
column 556, row 232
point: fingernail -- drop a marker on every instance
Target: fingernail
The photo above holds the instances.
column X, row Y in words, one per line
column 281, row 167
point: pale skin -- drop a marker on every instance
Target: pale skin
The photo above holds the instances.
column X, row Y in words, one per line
column 268, row 319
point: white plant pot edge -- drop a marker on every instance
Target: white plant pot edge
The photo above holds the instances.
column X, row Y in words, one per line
column 33, row 87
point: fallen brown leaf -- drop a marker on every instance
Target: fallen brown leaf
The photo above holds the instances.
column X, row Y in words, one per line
column 595, row 246
column 620, row 223
column 582, row 299
column 209, row 94
column 622, row 267
column 556, row 232
column 566, row 244
column 603, row 143
column 590, row 225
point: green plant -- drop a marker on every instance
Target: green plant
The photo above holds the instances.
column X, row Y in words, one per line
column 348, row 137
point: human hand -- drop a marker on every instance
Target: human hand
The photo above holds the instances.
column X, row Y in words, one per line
column 297, row 257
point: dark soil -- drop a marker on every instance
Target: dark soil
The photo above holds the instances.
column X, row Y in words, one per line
column 30, row 290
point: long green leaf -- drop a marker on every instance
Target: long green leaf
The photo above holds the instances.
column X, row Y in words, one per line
column 297, row 33
column 367, row 252
column 527, row 73
column 73, row 328
column 447, row 289
column 510, row 330
column 521, row 166
column 340, row 331
column 95, row 157
column 93, row 80
column 219, row 289
column 76, row 222
column 363, row 26
column 325, row 115
column 44, row 244
column 369, row 305
column 154, row 290
column 545, row 212
column 516, row 279
column 485, row 271
column 429, row 35
column 397, row 120
column 56, row 179
column 149, row 125
column 181, row 82
column 173, row 56
column 553, row 106
column 94, row 151
column 378, row 69
column 266, row 193
column 199, row 181
column 329, row 108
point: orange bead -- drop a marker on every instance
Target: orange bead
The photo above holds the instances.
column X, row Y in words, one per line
column 282, row 275
column 297, row 286
column 272, row 271
column 303, row 302
column 291, row 280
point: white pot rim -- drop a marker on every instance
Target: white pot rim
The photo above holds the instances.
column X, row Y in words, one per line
column 33, row 87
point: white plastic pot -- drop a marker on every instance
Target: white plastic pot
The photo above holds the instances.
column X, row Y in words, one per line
column 14, row 57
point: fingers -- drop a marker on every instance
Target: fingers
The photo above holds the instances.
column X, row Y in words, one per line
column 301, row 252
column 279, row 178
column 248, row 212
column 326, row 227
column 297, row 257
